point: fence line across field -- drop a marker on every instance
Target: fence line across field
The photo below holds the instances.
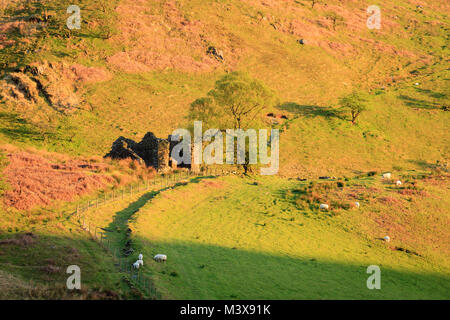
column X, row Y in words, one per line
column 122, row 263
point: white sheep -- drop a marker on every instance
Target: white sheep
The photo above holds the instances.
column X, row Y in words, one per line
column 160, row 257
column 136, row 264
column 357, row 205
column 141, row 262
column 386, row 175
column 324, row 206
column 398, row 183
column 140, row 256
column 387, row 238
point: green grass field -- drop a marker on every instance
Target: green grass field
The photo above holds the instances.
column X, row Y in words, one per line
column 144, row 62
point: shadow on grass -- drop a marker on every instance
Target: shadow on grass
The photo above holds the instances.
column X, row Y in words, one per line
column 420, row 104
column 197, row 270
column 432, row 94
column 204, row 271
column 423, row 164
column 199, row 179
column 310, row 111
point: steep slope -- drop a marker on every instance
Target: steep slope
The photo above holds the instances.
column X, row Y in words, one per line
column 135, row 66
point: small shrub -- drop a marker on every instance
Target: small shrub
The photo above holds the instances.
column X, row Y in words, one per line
column 133, row 165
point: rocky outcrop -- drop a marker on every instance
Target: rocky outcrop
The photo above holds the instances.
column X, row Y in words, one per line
column 40, row 83
column 216, row 53
column 20, row 87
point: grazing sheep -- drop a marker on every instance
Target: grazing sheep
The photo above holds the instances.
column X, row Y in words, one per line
column 141, row 262
column 160, row 257
column 357, row 205
column 136, row 264
column 387, row 239
column 324, row 206
column 398, row 183
column 140, row 256
column 386, row 175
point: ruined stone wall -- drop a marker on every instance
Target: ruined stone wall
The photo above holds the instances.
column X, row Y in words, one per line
column 163, row 154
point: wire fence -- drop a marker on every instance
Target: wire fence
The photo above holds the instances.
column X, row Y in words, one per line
column 99, row 233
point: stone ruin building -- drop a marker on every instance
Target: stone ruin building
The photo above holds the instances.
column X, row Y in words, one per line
column 154, row 152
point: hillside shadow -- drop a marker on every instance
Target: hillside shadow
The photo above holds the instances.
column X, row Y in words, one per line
column 431, row 94
column 423, row 164
column 311, row 111
column 197, row 270
column 39, row 268
column 18, row 129
column 205, row 271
